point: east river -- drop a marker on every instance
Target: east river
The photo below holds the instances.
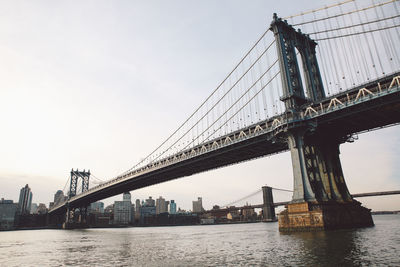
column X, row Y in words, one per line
column 253, row 244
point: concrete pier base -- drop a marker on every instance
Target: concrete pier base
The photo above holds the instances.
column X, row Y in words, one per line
column 314, row 216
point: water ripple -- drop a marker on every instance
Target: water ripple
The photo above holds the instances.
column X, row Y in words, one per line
column 213, row 245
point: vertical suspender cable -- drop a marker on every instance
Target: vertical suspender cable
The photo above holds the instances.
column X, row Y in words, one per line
column 332, row 58
column 366, row 41
column 384, row 40
column 322, row 61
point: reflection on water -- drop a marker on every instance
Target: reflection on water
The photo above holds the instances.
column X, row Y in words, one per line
column 258, row 244
column 325, row 248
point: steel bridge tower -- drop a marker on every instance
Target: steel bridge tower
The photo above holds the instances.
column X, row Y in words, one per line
column 77, row 215
column 321, row 199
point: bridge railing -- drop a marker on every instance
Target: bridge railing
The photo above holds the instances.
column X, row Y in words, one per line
column 269, row 126
column 386, row 85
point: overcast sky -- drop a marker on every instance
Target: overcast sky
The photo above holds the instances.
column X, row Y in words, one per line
column 99, row 84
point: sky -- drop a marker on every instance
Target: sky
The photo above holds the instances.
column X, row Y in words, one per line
column 99, row 84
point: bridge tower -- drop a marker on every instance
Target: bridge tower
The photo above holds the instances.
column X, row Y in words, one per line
column 77, row 215
column 321, row 199
column 268, row 207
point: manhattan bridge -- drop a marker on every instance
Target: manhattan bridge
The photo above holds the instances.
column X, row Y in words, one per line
column 311, row 82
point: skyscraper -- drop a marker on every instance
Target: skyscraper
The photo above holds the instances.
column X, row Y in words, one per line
column 97, row 207
column 198, row 205
column 123, row 210
column 126, row 197
column 58, row 197
column 34, row 208
column 149, row 202
column 137, row 211
column 161, row 205
column 42, row 208
column 25, row 200
column 172, row 207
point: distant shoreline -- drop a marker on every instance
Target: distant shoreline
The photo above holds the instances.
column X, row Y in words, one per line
column 385, row 212
column 129, row 226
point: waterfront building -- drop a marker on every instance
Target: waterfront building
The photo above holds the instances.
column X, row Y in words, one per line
column 25, row 200
column 150, row 202
column 123, row 210
column 218, row 213
column 147, row 211
column 96, row 207
column 99, row 219
column 198, row 205
column 34, row 208
column 137, row 210
column 172, row 207
column 182, row 211
column 161, row 205
column 233, row 216
column 8, row 210
column 42, row 208
column 248, row 213
column 207, row 221
column 132, row 213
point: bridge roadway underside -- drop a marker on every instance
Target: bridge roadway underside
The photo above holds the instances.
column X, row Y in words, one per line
column 246, row 150
column 367, row 115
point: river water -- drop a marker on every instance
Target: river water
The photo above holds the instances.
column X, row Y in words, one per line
column 253, row 244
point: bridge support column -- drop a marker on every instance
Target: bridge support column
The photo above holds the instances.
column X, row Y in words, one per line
column 320, row 198
column 69, row 219
column 83, row 215
column 75, row 218
column 269, row 208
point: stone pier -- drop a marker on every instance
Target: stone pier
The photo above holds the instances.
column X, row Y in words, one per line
column 307, row 216
column 321, row 200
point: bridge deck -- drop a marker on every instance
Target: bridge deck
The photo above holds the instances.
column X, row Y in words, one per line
column 365, row 107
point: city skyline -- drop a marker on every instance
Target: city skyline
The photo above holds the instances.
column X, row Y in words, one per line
column 101, row 90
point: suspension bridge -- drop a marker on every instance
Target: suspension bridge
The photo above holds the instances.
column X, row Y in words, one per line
column 268, row 204
column 311, row 82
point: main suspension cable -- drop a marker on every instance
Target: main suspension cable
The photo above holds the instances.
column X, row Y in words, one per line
column 343, row 14
column 202, row 104
column 354, row 25
column 318, row 9
column 357, row 33
column 243, row 198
